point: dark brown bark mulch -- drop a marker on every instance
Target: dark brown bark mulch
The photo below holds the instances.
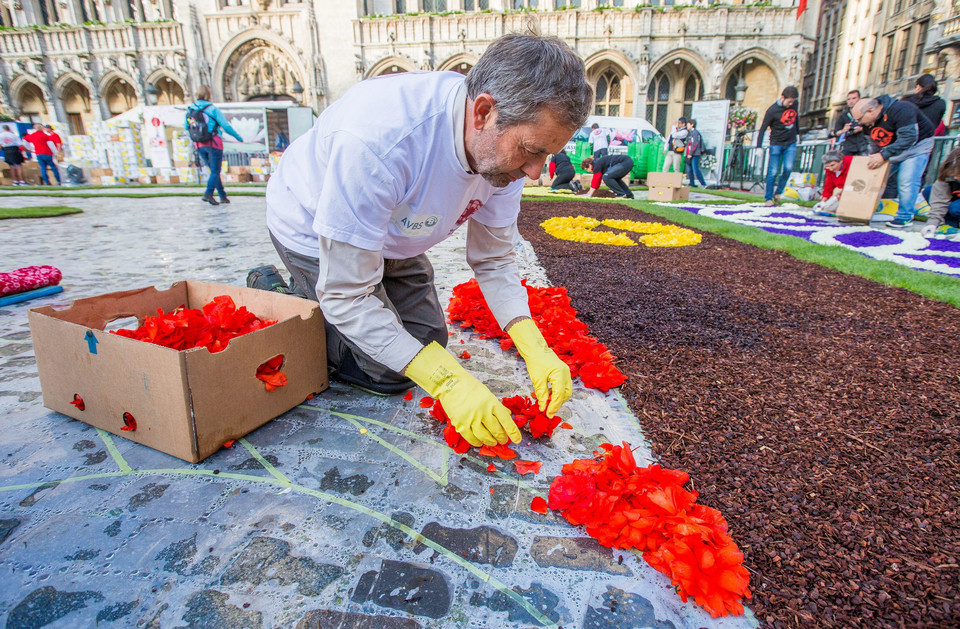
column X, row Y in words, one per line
column 817, row 411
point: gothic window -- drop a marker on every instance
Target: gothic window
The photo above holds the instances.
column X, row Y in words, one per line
column 563, row 4
column 400, row 6
column 525, row 4
column 434, row 5
column 609, row 95
column 692, row 91
column 918, row 53
column 658, row 99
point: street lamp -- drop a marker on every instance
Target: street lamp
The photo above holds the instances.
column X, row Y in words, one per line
column 741, row 89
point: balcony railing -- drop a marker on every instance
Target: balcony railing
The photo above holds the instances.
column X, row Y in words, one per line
column 951, row 26
column 93, row 39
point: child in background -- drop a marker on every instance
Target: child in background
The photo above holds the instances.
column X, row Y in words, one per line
column 836, row 167
column 944, row 199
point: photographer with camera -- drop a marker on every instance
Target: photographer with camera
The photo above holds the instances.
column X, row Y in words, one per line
column 847, row 131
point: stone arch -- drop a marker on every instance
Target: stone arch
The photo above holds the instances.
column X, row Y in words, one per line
column 391, row 65
column 678, row 79
column 170, row 90
column 765, row 79
column 118, row 92
column 76, row 99
column 613, row 78
column 28, row 96
column 461, row 63
column 256, row 64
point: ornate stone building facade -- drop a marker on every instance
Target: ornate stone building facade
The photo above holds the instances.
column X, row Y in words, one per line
column 92, row 59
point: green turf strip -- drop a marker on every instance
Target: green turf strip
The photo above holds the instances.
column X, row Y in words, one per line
column 927, row 283
column 37, row 212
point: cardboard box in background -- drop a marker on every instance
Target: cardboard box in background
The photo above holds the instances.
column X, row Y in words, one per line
column 239, row 170
column 664, row 180
column 862, row 190
column 229, row 178
column 668, row 194
column 178, row 163
column 100, row 172
column 532, row 182
column 260, row 177
column 244, row 178
column 167, row 179
column 146, row 179
column 31, row 173
column 257, row 162
column 187, row 403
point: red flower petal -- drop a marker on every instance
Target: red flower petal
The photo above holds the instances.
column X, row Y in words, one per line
column 229, row 444
column 78, row 402
column 528, row 467
column 129, row 423
column 426, row 401
column 539, row 505
column 491, row 468
column 464, row 354
column 408, row 396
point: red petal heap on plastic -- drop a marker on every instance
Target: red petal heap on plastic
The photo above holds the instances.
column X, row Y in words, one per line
column 647, row 508
column 557, row 320
column 528, row 467
column 185, row 328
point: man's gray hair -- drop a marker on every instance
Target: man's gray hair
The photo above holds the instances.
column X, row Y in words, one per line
column 870, row 103
column 525, row 73
column 832, row 156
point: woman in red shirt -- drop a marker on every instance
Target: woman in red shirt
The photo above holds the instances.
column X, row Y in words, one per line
column 836, row 167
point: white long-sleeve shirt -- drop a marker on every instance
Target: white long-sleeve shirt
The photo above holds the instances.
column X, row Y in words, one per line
column 383, row 174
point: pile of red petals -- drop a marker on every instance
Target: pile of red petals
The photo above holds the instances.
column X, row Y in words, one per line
column 557, row 320
column 526, row 413
column 185, row 328
column 624, row 506
column 269, row 373
column 502, row 451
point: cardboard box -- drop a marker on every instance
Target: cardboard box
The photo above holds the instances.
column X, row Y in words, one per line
column 187, row 403
column 244, row 178
column 145, row 179
column 101, row 172
column 167, row 179
column 260, row 178
column 239, row 170
column 181, row 164
column 664, row 180
column 31, row 173
column 862, row 191
column 669, row 194
column 257, row 162
column 228, row 178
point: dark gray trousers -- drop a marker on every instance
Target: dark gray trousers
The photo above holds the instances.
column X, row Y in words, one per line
column 406, row 289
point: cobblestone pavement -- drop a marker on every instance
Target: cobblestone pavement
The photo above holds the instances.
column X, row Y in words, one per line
column 347, row 511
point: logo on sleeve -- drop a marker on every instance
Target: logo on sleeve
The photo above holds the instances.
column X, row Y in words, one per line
column 472, row 208
column 788, row 117
column 881, row 136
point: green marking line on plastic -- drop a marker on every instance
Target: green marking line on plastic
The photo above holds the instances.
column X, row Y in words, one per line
column 440, row 479
column 265, row 463
column 112, row 449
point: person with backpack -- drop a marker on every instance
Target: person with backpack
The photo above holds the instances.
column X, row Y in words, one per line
column 204, row 124
column 674, row 146
column 694, row 149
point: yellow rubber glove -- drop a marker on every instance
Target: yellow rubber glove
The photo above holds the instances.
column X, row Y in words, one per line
column 474, row 411
column 543, row 365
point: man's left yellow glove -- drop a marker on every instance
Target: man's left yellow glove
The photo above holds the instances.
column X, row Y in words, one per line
column 550, row 375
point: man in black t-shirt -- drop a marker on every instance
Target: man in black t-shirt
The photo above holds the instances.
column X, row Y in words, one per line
column 781, row 118
column 903, row 136
column 563, row 174
column 611, row 169
column 848, row 131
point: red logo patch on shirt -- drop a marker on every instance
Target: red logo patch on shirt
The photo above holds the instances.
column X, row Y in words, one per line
column 881, row 136
column 788, row 117
column 472, row 208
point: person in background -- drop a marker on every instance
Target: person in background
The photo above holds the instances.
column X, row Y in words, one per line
column 694, row 150
column 13, row 153
column 847, row 131
column 674, row 146
column 54, row 137
column 611, row 169
column 600, row 139
column 930, row 105
column 904, row 137
column 205, row 124
column 836, row 166
column 563, row 174
column 781, row 118
column 43, row 148
column 282, row 142
column 944, row 198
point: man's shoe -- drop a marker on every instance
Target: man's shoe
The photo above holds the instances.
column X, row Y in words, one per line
column 209, row 199
column 776, row 199
column 267, row 278
column 769, row 203
column 897, row 224
column 224, row 200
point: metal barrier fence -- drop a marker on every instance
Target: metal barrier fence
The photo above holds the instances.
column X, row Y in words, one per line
column 748, row 164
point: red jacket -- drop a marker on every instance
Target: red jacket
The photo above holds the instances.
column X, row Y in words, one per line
column 39, row 141
column 836, row 180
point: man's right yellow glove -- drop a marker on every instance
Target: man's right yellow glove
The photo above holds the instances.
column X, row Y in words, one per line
column 474, row 411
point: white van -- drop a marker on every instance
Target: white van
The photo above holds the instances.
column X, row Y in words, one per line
column 623, row 130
